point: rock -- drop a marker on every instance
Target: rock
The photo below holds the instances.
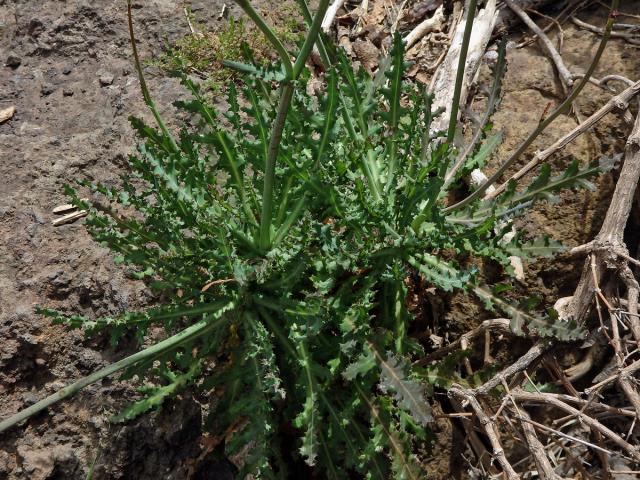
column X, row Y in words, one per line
column 32, row 229
column 47, row 89
column 491, row 57
column 66, row 70
column 13, row 61
column 67, row 92
column 89, row 360
column 7, row 113
column 39, row 462
column 29, row 399
column 367, row 53
column 28, row 339
column 106, row 78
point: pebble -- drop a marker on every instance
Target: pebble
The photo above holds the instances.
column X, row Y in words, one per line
column 66, row 70
column 47, row 89
column 67, row 92
column 28, row 339
column 29, row 398
column 13, row 61
column 491, row 56
column 106, row 79
column 32, row 229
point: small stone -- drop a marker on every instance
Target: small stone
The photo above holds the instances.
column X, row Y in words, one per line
column 491, row 57
column 67, row 92
column 47, row 89
column 28, row 339
column 32, row 229
column 13, row 61
column 66, row 70
column 106, row 79
column 41, row 362
column 29, row 399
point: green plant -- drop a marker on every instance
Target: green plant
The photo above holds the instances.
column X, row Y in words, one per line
column 281, row 233
column 203, row 52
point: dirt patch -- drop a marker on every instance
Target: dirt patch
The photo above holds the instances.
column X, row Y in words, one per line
column 69, row 74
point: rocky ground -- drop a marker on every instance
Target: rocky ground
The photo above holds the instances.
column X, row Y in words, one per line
column 67, row 68
column 69, row 74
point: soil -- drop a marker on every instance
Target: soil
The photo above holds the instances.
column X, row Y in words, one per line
column 69, row 74
column 70, row 79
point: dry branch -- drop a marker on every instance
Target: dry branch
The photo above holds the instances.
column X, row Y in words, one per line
column 431, row 24
column 633, row 367
column 610, row 238
column 518, row 366
column 588, row 405
column 547, row 46
column 500, row 324
column 620, row 102
column 490, row 428
column 507, row 18
column 545, row 469
column 330, row 15
column 629, row 37
column 445, row 76
column 633, row 451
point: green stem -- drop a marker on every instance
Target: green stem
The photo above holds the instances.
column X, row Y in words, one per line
column 370, row 170
column 462, row 61
column 186, row 335
column 394, row 443
column 236, row 175
column 294, row 215
column 268, row 32
column 270, row 167
column 306, row 14
column 563, row 107
column 312, row 36
column 492, row 101
column 143, row 84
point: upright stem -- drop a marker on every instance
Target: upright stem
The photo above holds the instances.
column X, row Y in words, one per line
column 286, row 93
column 306, row 14
column 146, row 95
column 462, row 61
column 312, row 36
column 564, row 106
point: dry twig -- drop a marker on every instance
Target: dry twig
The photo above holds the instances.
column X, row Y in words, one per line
column 490, row 428
column 620, row 102
column 435, row 22
column 634, row 39
column 547, row 46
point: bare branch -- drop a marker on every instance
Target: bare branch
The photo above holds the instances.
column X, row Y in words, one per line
column 490, row 428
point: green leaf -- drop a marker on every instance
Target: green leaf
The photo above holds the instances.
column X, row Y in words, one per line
column 479, row 159
column 523, row 322
column 364, row 363
column 442, row 274
column 155, row 396
column 409, row 393
column 538, row 247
